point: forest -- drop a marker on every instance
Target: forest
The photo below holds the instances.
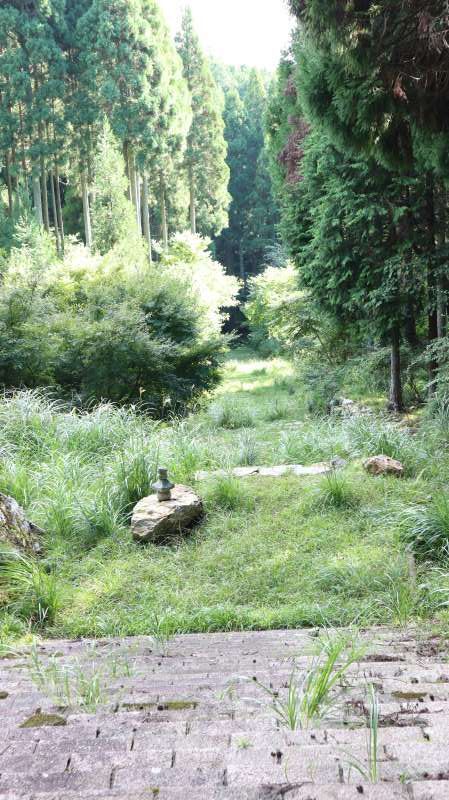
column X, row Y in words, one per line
column 214, row 267
column 117, row 150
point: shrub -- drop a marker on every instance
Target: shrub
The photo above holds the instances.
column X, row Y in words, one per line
column 113, row 327
column 322, row 383
column 277, row 311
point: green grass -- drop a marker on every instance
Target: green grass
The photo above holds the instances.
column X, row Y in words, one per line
column 269, row 553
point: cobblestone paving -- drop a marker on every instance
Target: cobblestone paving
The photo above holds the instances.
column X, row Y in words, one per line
column 195, row 725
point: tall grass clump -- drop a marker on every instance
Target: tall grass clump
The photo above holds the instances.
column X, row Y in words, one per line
column 247, row 449
column 425, row 528
column 136, row 471
column 228, row 493
column 28, row 421
column 228, row 414
column 370, row 436
column 77, row 473
column 437, row 413
column 189, row 450
column 31, row 591
column 317, row 441
column 336, row 491
column 277, row 410
column 315, row 693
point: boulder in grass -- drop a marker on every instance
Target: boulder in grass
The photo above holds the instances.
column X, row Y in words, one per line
column 15, row 529
column 384, row 465
column 154, row 521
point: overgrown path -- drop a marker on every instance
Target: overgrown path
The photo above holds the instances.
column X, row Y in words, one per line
column 210, row 717
column 271, row 553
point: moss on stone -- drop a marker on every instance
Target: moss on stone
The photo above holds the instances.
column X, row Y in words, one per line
column 40, row 719
column 399, row 695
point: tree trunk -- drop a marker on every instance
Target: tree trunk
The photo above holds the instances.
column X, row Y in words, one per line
column 22, row 143
column 441, row 315
column 133, row 185
column 55, row 213
column 86, row 211
column 44, row 196
column 410, row 325
column 192, row 202
column 432, row 282
column 146, row 216
column 164, row 223
column 59, row 207
column 126, row 159
column 9, row 183
column 242, row 266
column 396, row 398
column 138, row 202
column 37, row 199
column 441, row 291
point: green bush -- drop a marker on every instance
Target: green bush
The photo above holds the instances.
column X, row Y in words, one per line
column 277, row 311
column 113, row 327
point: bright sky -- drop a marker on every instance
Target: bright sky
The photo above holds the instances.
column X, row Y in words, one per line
column 252, row 32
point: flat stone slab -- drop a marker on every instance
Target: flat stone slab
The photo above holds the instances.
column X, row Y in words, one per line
column 154, row 521
column 194, row 723
column 321, row 468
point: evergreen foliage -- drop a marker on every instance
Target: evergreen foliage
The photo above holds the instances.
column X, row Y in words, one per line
column 112, row 213
column 381, row 73
column 363, row 208
column 205, row 157
column 69, row 65
column 253, row 213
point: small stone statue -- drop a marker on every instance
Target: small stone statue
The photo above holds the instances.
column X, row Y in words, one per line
column 163, row 486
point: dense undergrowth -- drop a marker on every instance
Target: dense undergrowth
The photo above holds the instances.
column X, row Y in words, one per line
column 270, row 552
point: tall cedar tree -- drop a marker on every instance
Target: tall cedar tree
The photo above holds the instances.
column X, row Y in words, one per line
column 121, row 60
column 373, row 76
column 205, row 159
column 394, row 59
column 355, row 229
column 252, row 215
column 168, row 184
column 31, row 91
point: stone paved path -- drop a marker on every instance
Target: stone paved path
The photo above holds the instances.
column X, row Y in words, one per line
column 195, row 725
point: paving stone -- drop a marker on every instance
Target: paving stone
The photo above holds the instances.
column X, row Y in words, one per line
column 197, row 726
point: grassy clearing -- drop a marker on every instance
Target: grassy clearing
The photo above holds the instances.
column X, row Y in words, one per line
column 270, row 552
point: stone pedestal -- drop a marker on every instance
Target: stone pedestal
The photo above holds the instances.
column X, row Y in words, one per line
column 154, row 521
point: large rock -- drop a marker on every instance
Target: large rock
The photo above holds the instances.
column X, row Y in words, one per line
column 154, row 521
column 15, row 529
column 384, row 465
column 346, row 407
